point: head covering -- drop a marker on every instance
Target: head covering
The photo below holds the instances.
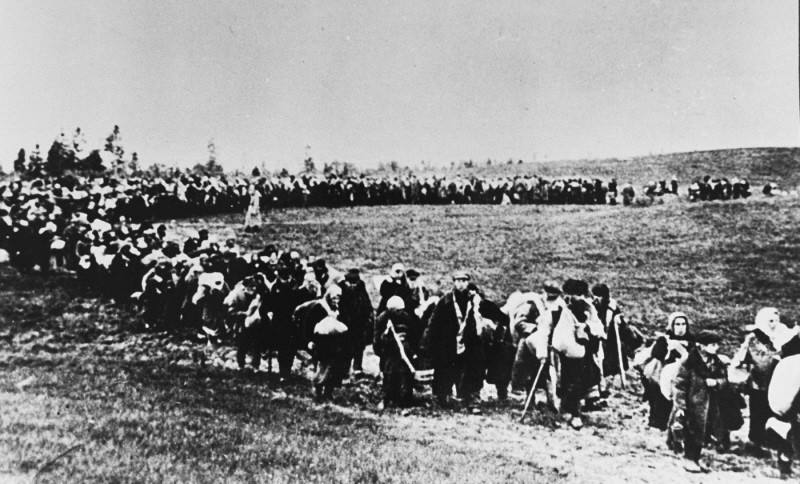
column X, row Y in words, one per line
column 707, row 338
column 398, row 269
column 461, row 275
column 766, row 319
column 395, row 302
column 575, row 287
column 353, row 275
column 551, row 287
column 412, row 274
column 601, row 290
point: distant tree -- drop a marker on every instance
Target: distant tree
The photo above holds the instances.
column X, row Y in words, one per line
column 308, row 163
column 488, row 162
column 212, row 168
column 284, row 173
column 510, row 161
column 198, row 169
column 327, row 169
column 349, row 169
column 19, row 163
column 57, row 159
column 133, row 166
column 394, row 165
column 519, row 162
column 256, row 172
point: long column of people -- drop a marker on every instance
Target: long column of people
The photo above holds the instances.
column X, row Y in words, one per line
column 568, row 340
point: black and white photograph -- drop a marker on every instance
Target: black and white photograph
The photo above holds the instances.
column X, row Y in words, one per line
column 399, row 242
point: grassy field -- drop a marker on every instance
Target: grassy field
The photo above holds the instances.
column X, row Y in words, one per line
column 759, row 165
column 78, row 379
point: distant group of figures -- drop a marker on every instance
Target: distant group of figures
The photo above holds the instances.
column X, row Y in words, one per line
column 567, row 340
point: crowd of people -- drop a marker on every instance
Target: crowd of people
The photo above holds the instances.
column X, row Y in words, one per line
column 568, row 340
column 696, row 395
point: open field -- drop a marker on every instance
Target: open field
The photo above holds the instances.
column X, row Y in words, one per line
column 759, row 165
column 77, row 377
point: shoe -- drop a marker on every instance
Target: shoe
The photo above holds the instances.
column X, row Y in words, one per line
column 784, row 467
column 693, row 467
column 595, row 406
column 576, row 423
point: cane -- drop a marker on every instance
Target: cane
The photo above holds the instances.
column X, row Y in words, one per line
column 619, row 355
column 532, row 393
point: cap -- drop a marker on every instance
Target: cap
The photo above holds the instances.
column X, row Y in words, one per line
column 398, row 269
column 601, row 290
column 551, row 287
column 707, row 338
column 461, row 275
column 352, row 275
column 575, row 287
column 412, row 274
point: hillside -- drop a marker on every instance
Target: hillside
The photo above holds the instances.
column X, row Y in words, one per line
column 759, row 165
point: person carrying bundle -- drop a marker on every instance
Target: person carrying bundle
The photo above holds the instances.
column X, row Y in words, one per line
column 396, row 340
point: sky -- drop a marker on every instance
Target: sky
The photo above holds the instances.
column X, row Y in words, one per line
column 272, row 82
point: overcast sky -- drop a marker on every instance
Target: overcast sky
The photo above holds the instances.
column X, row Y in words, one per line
column 373, row 81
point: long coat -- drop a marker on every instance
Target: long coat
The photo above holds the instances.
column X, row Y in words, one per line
column 440, row 345
column 702, row 405
column 355, row 311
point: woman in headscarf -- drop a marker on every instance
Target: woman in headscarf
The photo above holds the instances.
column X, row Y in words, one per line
column 669, row 348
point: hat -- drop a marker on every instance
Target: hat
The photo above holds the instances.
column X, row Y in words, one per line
column 412, row 274
column 574, row 287
column 398, row 269
column 707, row 338
column 551, row 287
column 461, row 275
column 601, row 290
column 352, row 275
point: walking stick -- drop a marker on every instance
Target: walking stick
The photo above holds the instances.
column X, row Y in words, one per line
column 533, row 391
column 619, row 354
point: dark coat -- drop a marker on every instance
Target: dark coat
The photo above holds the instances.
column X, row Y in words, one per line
column 439, row 344
column 404, row 324
column 355, row 311
column 703, row 414
column 439, row 341
column 402, row 289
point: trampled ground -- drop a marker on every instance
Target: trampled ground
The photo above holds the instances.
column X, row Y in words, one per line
column 76, row 376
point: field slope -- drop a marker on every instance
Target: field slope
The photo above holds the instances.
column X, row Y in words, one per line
column 77, row 377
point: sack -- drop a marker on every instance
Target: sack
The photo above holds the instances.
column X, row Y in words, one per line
column 564, row 340
column 784, row 386
column 329, row 326
column 667, row 378
column 652, row 371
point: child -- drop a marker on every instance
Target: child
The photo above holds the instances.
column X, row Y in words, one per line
column 701, row 378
